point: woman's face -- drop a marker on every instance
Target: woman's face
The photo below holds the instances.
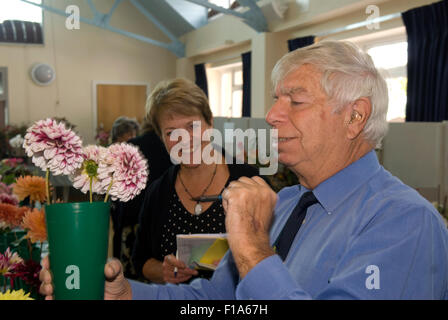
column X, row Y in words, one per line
column 182, row 136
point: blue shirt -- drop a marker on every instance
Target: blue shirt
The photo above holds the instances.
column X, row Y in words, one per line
column 369, row 237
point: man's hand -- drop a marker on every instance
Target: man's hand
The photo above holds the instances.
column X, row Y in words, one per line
column 182, row 274
column 249, row 205
column 116, row 287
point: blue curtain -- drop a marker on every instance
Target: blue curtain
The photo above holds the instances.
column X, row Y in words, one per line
column 427, row 93
column 246, row 58
column 201, row 77
column 298, row 43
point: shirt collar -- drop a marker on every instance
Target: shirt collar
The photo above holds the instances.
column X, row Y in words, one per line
column 336, row 189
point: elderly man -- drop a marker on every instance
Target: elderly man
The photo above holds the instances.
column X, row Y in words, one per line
column 350, row 230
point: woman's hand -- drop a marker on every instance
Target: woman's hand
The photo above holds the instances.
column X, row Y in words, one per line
column 183, row 272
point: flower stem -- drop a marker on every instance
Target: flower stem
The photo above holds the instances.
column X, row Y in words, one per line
column 30, row 248
column 108, row 189
column 47, row 185
column 91, row 181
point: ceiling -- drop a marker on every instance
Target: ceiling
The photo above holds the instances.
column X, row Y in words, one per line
column 173, row 17
column 179, row 16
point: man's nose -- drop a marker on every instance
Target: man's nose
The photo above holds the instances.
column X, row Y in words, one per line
column 277, row 113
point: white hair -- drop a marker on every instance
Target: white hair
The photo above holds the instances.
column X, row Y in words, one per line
column 348, row 74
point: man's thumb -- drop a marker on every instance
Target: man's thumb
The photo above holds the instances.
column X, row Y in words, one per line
column 112, row 269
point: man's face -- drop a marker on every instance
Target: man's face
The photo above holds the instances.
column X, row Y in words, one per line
column 309, row 133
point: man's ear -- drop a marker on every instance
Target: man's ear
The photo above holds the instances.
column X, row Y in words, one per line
column 356, row 117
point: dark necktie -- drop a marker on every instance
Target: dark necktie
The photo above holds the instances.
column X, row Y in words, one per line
column 293, row 224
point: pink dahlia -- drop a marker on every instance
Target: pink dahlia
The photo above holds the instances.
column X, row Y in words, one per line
column 126, row 169
column 93, row 156
column 9, row 198
column 52, row 146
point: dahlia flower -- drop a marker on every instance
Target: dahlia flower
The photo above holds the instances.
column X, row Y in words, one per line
column 34, row 222
column 86, row 178
column 30, row 186
column 12, row 215
column 124, row 172
column 16, row 142
column 9, row 261
column 4, row 188
column 15, row 295
column 28, row 271
column 9, row 198
column 53, row 147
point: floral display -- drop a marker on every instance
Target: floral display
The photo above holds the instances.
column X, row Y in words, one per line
column 86, row 178
column 102, row 136
column 118, row 171
column 34, row 223
column 6, row 134
column 9, row 261
column 11, row 169
column 15, row 295
column 124, row 171
column 28, row 272
column 6, row 195
column 16, row 142
column 9, row 198
column 53, row 147
column 12, row 215
column 32, row 187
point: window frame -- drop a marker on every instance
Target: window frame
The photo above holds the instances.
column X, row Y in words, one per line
column 232, row 68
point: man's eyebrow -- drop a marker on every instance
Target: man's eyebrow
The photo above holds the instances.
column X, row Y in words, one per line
column 294, row 90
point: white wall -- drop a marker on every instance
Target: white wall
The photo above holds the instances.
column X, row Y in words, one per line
column 79, row 58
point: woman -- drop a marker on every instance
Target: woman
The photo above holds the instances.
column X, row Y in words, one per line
column 124, row 129
column 168, row 208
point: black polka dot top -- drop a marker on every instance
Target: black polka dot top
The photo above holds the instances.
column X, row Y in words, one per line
column 180, row 221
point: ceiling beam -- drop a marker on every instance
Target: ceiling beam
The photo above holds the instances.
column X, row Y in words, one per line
column 253, row 17
column 101, row 20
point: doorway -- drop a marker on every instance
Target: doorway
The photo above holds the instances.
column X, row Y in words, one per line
column 113, row 100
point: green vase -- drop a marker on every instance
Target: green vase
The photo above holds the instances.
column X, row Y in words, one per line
column 78, row 243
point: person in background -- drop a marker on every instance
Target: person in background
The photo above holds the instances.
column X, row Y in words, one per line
column 126, row 220
column 124, row 129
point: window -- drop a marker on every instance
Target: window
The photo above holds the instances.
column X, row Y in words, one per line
column 225, row 88
column 393, row 59
column 388, row 49
column 227, row 4
column 18, row 10
column 20, row 22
